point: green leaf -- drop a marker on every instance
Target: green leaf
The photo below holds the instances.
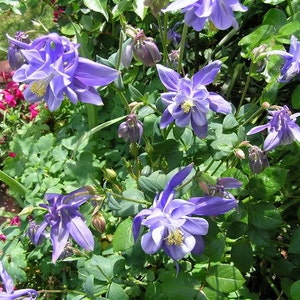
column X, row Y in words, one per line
column 242, row 255
column 295, row 242
column 214, row 249
column 259, row 237
column 123, row 238
column 135, row 93
column 275, row 17
column 264, row 215
column 115, row 291
column 225, row 278
column 295, row 290
column 184, row 286
column 98, row 6
column 229, row 122
column 267, row 183
column 89, row 286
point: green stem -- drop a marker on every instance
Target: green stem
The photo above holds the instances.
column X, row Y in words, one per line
column 182, row 47
column 258, row 112
column 123, row 99
column 14, row 185
column 94, row 130
column 128, row 199
column 163, row 35
column 247, row 84
column 92, row 113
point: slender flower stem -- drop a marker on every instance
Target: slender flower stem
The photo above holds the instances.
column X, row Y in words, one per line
column 258, row 112
column 247, row 84
column 182, row 47
column 128, row 199
column 163, row 35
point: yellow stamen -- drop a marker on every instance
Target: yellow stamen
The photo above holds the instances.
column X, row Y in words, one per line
column 187, row 105
column 39, row 87
column 175, row 237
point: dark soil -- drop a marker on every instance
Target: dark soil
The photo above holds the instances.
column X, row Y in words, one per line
column 7, row 203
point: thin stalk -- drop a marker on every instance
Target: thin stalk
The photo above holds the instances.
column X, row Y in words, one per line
column 128, row 199
column 258, row 112
column 163, row 36
column 247, row 84
column 182, row 47
column 92, row 114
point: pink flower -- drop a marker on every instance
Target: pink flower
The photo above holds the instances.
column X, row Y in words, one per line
column 15, row 221
column 12, row 154
column 2, row 237
column 33, row 111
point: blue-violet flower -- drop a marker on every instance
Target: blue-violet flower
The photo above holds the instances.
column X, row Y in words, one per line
column 64, row 220
column 188, row 100
column 172, row 223
column 10, row 293
column 198, row 12
column 54, row 70
column 282, row 128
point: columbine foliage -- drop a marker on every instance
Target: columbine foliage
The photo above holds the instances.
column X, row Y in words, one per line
column 173, row 184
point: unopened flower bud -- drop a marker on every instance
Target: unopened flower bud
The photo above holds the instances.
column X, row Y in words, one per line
column 99, row 222
column 146, row 51
column 109, row 174
column 131, row 130
column 2, row 237
column 239, row 153
column 258, row 160
column 15, row 57
column 265, row 105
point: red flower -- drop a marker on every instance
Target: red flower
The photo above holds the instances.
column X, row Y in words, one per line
column 15, row 221
column 12, row 154
column 2, row 237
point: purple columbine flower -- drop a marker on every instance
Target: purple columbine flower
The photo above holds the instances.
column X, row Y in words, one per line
column 282, row 128
column 131, row 130
column 10, row 293
column 54, row 70
column 64, row 220
column 173, row 223
column 188, row 100
column 291, row 66
column 198, row 12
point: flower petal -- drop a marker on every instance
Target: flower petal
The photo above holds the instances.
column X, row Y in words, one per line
column 168, row 77
column 81, row 233
column 207, row 74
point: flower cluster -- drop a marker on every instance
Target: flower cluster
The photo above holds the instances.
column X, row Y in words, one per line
column 282, row 128
column 188, row 101
column 10, row 293
column 54, row 70
column 174, row 224
column 198, row 12
column 12, row 96
column 64, row 220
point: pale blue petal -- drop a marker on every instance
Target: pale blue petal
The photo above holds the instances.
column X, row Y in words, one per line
column 207, row 74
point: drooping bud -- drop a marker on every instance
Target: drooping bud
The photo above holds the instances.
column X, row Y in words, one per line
column 15, row 57
column 99, row 222
column 239, row 153
column 258, row 160
column 131, row 130
column 145, row 50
